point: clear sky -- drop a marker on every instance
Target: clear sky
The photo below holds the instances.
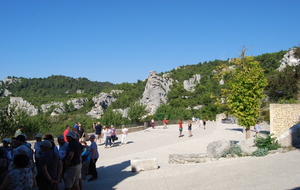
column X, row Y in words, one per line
column 122, row 40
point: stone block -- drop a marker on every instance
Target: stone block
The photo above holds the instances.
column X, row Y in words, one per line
column 143, row 164
column 291, row 137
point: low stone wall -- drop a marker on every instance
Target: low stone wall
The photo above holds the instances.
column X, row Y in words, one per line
column 283, row 117
column 189, row 158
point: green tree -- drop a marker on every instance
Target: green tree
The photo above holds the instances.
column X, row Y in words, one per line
column 245, row 84
column 136, row 112
column 112, row 117
column 284, row 85
column 8, row 124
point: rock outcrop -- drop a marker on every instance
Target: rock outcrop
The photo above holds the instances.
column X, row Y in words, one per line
column 217, row 148
column 190, row 84
column 77, row 102
column 156, row 91
column 289, row 59
column 23, row 105
column 102, row 101
column 11, row 81
column 290, row 138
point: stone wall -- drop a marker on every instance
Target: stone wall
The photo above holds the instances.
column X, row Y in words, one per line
column 283, row 117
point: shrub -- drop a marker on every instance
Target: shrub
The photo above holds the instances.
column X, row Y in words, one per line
column 234, row 149
column 260, row 152
column 268, row 142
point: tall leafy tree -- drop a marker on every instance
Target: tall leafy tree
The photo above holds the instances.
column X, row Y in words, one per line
column 245, row 83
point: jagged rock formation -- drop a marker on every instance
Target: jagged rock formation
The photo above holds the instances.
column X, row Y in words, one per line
column 190, row 84
column 7, row 81
column 46, row 107
column 156, row 91
column 24, row 105
column 11, row 81
column 77, row 102
column 6, row 93
column 289, row 59
column 102, row 101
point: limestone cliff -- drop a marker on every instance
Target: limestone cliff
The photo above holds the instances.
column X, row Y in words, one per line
column 289, row 59
column 156, row 91
column 190, row 84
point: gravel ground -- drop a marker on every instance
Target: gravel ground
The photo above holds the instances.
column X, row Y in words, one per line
column 274, row 171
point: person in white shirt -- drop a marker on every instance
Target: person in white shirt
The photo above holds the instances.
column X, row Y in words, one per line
column 124, row 134
column 257, row 129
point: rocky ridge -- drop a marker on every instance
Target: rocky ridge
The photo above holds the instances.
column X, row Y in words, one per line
column 155, row 93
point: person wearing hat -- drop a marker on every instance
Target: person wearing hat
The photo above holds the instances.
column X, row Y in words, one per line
column 37, row 148
column 6, row 148
column 49, row 167
column 51, row 139
column 20, row 146
column 19, row 131
column 73, row 161
column 76, row 127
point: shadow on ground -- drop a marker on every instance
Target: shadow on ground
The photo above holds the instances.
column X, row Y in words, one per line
column 110, row 176
column 235, row 129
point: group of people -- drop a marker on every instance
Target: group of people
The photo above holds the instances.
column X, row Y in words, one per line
column 109, row 134
column 45, row 165
column 202, row 123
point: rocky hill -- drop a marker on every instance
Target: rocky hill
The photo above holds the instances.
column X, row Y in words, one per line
column 102, row 95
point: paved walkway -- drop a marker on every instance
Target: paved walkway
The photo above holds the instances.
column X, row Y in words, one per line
column 278, row 171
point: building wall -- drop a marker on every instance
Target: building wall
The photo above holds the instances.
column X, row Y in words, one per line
column 283, row 117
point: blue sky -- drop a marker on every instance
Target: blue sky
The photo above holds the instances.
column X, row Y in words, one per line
column 122, row 40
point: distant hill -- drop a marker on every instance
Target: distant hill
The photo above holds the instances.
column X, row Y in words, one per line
column 54, row 88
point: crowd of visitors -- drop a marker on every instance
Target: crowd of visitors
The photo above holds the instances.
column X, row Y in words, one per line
column 45, row 164
column 48, row 163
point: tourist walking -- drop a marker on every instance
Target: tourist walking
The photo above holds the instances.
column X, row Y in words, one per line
column 113, row 134
column 94, row 155
column 72, row 162
column 180, row 128
column 124, row 134
column 204, row 124
column 190, row 128
column 257, row 129
column 201, row 123
column 107, row 137
column 165, row 121
column 152, row 123
column 98, row 132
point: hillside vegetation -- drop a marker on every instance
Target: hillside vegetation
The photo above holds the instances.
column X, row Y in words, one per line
column 282, row 87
